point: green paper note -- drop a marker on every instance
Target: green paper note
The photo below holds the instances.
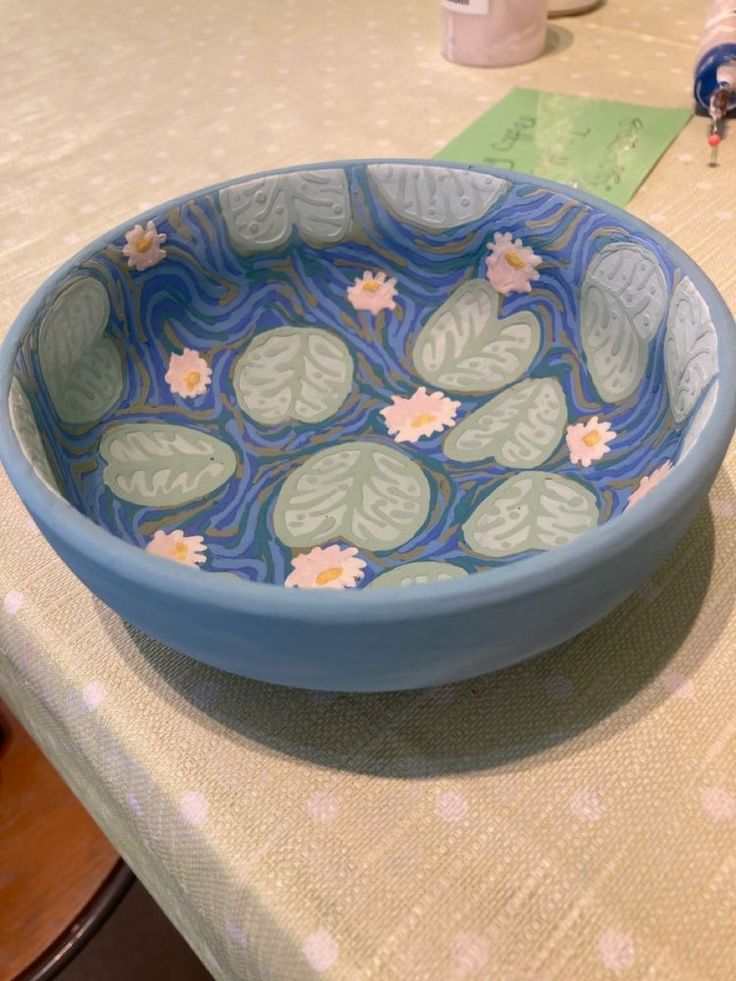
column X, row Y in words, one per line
column 607, row 148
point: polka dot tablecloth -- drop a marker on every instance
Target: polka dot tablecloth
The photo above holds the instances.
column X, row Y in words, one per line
column 571, row 818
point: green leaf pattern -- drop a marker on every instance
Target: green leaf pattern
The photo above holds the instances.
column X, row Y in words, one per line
column 79, row 362
column 467, row 347
column 163, row 465
column 371, row 495
column 521, row 427
column 302, row 374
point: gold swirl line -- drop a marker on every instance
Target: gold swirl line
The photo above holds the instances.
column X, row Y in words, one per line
column 610, row 230
column 286, row 266
column 142, row 373
column 607, row 509
column 203, row 219
column 234, row 412
column 142, row 408
column 574, row 363
column 552, row 220
column 366, row 368
column 176, row 220
column 80, row 467
column 175, row 518
column 446, row 248
column 563, row 240
column 170, row 335
column 222, row 532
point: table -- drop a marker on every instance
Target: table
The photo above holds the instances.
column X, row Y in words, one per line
column 574, row 817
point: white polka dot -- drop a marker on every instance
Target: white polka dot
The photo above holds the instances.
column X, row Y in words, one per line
column 87, row 208
column 724, row 215
column 676, row 70
column 193, row 807
column 236, row 934
column 624, row 72
column 685, row 158
column 451, row 806
column 12, row 602
column 94, row 694
column 678, row 685
column 614, row 56
column 616, row 950
column 558, row 687
column 718, row 804
column 323, row 806
column 320, row 950
column 704, row 186
column 134, row 804
column 469, row 953
column 587, row 805
column 657, row 218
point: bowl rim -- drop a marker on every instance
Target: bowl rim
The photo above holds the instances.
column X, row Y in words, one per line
column 528, row 576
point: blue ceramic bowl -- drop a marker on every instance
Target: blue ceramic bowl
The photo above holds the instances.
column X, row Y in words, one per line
column 369, row 425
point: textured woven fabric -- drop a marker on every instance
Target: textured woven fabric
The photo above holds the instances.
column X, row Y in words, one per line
column 571, row 818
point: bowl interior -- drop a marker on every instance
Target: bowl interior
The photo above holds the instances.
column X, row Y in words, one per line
column 370, row 373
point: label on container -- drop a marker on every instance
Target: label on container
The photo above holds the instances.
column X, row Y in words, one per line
column 467, row 6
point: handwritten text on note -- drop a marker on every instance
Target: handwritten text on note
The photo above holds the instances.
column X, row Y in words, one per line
column 604, row 147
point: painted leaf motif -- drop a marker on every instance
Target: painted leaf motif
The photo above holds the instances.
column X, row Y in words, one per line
column 29, row 435
column 301, row 373
column 320, row 204
column 417, row 573
column 261, row 213
column 690, row 349
column 529, row 512
column 370, row 495
column 79, row 363
column 466, row 347
column 435, row 198
column 521, row 427
column 622, row 302
column 699, row 421
column 162, row 465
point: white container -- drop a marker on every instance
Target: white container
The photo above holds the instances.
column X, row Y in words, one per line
column 564, row 8
column 493, row 33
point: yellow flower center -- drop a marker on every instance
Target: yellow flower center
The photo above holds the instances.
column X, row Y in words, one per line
column 592, row 438
column 192, row 379
column 180, row 552
column 328, row 575
column 145, row 242
column 371, row 285
column 423, row 419
column 514, row 260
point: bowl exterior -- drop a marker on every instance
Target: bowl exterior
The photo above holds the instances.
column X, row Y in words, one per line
column 435, row 645
column 388, row 639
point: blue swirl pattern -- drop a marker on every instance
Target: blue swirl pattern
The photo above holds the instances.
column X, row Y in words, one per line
column 207, row 297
